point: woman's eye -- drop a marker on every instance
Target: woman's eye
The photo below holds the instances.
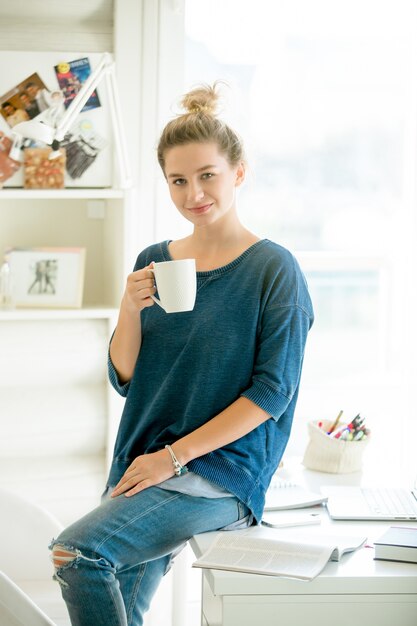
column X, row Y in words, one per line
column 207, row 175
column 179, row 181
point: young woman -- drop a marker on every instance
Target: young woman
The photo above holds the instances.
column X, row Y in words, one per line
column 210, row 393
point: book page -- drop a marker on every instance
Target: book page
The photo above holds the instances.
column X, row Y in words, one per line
column 265, row 556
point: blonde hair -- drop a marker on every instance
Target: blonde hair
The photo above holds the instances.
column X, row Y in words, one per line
column 200, row 124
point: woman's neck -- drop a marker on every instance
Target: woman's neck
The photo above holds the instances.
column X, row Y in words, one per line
column 214, row 246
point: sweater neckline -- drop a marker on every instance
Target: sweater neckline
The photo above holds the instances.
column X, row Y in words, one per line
column 218, row 270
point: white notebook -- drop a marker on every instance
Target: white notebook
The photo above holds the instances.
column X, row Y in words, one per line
column 283, row 494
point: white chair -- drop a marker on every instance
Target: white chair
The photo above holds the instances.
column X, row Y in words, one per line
column 17, row 609
column 26, row 585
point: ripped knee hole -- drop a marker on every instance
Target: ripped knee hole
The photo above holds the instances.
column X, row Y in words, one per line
column 61, row 556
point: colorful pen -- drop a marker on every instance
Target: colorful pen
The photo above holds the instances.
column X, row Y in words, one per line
column 335, row 423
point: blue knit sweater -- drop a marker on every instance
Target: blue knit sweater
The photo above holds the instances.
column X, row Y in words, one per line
column 245, row 337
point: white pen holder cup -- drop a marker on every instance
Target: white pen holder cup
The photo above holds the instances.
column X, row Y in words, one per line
column 176, row 285
column 334, row 456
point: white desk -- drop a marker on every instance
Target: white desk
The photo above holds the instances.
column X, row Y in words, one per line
column 357, row 590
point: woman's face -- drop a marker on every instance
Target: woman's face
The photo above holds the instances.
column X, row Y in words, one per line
column 201, row 181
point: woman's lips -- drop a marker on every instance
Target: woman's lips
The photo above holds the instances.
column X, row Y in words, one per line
column 200, row 209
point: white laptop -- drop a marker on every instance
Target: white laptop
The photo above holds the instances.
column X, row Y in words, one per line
column 371, row 503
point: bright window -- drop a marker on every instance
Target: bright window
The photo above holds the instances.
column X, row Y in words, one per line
column 324, row 95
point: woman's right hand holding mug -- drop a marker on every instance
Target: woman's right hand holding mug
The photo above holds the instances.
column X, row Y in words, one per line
column 140, row 286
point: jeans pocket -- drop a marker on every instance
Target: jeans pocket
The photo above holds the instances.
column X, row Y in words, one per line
column 242, row 509
column 106, row 493
column 244, row 518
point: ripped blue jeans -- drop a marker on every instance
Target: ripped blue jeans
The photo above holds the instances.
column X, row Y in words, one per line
column 110, row 562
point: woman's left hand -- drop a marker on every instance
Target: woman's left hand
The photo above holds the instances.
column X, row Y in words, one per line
column 145, row 471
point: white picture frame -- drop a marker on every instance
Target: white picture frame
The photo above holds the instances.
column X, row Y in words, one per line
column 47, row 277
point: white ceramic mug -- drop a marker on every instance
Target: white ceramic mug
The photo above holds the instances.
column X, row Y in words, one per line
column 176, row 284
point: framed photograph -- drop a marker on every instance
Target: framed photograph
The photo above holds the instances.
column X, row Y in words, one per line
column 47, row 277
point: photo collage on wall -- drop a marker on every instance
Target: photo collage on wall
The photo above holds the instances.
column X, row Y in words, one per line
column 30, row 99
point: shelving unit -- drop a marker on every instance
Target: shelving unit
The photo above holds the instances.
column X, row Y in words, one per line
column 60, row 194
column 85, row 313
column 58, row 410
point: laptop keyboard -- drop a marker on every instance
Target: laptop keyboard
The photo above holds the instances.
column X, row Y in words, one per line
column 390, row 501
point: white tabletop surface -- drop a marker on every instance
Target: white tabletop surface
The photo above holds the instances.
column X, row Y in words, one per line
column 356, row 572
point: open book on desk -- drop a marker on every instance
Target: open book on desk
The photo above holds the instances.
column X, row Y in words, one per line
column 283, row 494
column 240, row 551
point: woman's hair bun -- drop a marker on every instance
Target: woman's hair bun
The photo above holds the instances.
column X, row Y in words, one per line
column 202, row 99
column 200, row 124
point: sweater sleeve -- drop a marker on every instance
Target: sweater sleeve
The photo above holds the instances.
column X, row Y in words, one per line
column 283, row 328
column 279, row 361
column 121, row 388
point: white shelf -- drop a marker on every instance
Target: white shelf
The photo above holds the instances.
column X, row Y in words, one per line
column 57, row 314
column 50, row 194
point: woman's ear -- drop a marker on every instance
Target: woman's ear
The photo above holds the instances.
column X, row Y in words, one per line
column 240, row 174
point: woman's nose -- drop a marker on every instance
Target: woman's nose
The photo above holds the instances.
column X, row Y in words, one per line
column 195, row 192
